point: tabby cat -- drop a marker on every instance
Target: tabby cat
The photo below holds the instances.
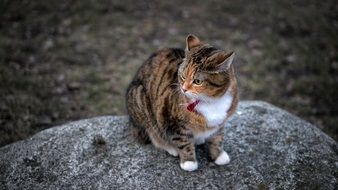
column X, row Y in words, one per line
column 179, row 98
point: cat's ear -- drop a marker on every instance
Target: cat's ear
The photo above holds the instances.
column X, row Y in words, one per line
column 192, row 41
column 221, row 61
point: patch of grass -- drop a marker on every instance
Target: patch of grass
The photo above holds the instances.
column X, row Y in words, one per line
column 66, row 60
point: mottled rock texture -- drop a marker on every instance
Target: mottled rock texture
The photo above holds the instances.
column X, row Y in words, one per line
column 269, row 148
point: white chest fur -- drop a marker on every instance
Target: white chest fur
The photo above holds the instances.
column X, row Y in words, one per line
column 215, row 111
column 201, row 137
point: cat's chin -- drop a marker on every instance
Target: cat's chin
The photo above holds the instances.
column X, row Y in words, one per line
column 200, row 98
column 190, row 96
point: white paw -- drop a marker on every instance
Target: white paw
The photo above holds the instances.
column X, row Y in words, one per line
column 172, row 152
column 189, row 166
column 222, row 159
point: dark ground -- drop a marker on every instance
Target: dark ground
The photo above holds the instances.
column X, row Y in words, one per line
column 65, row 60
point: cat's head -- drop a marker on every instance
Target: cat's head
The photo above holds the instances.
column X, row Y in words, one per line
column 206, row 72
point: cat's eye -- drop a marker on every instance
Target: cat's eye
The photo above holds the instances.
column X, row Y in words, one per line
column 198, row 81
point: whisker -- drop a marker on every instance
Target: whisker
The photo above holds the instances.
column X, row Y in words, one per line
column 175, row 84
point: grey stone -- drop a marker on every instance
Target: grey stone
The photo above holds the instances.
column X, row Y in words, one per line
column 270, row 149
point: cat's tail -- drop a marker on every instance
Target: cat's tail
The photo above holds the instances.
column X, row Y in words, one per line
column 139, row 134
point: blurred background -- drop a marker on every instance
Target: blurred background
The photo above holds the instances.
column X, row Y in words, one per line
column 63, row 60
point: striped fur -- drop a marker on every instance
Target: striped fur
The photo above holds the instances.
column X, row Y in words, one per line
column 162, row 88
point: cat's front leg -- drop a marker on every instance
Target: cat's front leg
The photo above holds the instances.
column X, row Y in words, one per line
column 216, row 152
column 186, row 151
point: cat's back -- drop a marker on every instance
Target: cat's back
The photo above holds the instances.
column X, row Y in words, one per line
column 168, row 54
column 160, row 69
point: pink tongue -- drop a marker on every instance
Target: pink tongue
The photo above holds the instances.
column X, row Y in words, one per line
column 192, row 105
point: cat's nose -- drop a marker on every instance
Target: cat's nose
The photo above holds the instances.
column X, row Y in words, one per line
column 184, row 87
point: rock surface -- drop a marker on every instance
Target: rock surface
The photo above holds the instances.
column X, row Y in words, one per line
column 270, row 149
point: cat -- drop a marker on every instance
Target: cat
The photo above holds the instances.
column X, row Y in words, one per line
column 179, row 99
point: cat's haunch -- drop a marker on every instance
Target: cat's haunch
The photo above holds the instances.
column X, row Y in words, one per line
column 179, row 98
